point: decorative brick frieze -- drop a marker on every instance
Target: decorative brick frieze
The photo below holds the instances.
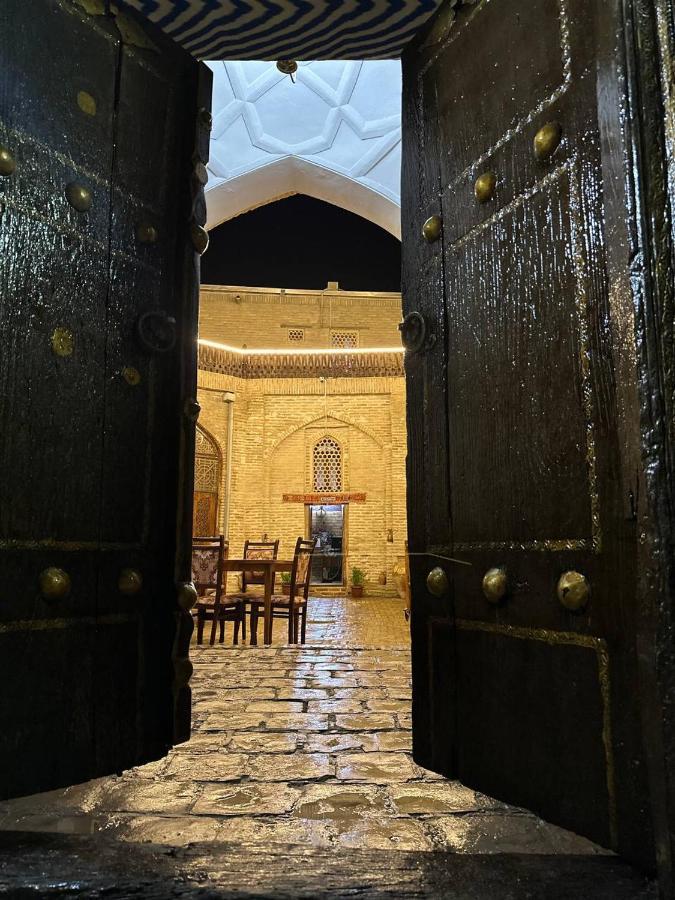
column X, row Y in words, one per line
column 295, row 365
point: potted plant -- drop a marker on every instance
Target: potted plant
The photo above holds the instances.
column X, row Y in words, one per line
column 286, row 583
column 358, row 577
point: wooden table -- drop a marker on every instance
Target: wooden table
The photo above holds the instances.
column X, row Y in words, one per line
column 270, row 567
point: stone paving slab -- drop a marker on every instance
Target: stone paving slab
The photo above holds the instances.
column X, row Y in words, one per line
column 246, row 799
column 376, row 768
column 436, row 799
column 211, row 767
column 394, row 740
column 275, row 741
column 336, row 743
column 397, row 834
column 335, row 706
column 338, row 801
column 365, row 722
column 293, row 768
column 145, row 796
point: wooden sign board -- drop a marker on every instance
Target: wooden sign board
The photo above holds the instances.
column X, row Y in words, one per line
column 327, row 499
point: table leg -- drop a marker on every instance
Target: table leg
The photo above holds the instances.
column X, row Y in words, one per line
column 269, row 580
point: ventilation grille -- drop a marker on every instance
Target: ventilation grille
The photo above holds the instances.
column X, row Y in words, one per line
column 344, row 340
column 296, row 335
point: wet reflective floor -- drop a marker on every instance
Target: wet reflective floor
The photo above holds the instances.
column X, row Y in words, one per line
column 305, row 745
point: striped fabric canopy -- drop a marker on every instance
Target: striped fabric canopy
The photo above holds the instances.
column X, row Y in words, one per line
column 289, row 29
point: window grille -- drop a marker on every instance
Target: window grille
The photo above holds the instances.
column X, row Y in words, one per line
column 327, row 465
column 344, row 340
column 296, row 335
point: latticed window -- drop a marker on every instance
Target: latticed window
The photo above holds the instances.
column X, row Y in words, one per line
column 344, row 340
column 296, row 335
column 327, row 465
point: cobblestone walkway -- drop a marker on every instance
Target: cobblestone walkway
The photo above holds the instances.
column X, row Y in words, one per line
column 304, row 745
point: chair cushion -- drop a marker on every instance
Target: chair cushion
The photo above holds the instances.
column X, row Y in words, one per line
column 278, row 600
column 225, row 603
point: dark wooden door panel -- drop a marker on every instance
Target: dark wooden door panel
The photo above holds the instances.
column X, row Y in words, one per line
column 95, row 434
column 40, row 750
column 539, row 704
column 523, row 698
column 504, row 68
column 47, row 430
column 516, row 354
column 77, row 54
column 150, row 104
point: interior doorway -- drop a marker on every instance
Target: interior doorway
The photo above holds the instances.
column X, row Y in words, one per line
column 207, row 485
column 326, row 524
column 315, row 367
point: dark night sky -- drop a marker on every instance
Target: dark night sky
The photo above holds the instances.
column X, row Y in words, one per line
column 300, row 242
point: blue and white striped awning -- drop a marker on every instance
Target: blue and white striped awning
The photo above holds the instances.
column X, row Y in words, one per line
column 289, row 29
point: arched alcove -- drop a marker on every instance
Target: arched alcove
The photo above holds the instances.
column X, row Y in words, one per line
column 302, row 243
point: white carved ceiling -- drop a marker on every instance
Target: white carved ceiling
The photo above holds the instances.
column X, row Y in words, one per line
column 335, row 134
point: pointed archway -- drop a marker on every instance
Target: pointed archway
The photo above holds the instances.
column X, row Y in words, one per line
column 293, row 175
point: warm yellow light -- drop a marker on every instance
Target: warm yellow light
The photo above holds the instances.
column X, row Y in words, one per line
column 285, row 351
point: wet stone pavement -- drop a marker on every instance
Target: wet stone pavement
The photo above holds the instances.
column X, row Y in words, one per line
column 306, row 745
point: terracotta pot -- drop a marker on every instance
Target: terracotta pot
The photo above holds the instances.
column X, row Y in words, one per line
column 357, row 590
column 400, row 577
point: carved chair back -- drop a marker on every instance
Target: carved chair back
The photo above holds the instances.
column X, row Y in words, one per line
column 258, row 550
column 208, row 555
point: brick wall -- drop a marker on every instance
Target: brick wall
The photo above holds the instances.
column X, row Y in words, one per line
column 262, row 317
column 276, row 424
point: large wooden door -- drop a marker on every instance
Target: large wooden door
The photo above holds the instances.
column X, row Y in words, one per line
column 104, row 137
column 529, row 499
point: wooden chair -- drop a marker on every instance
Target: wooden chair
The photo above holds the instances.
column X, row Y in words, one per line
column 257, row 550
column 208, row 555
column 294, row 606
column 253, row 550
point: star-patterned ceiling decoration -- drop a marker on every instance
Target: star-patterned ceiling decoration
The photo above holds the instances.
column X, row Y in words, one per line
column 337, row 128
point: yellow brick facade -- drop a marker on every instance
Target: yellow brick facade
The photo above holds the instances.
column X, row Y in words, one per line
column 263, row 317
column 278, row 421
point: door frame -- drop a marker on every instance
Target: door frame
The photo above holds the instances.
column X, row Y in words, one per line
column 649, row 34
column 345, row 534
